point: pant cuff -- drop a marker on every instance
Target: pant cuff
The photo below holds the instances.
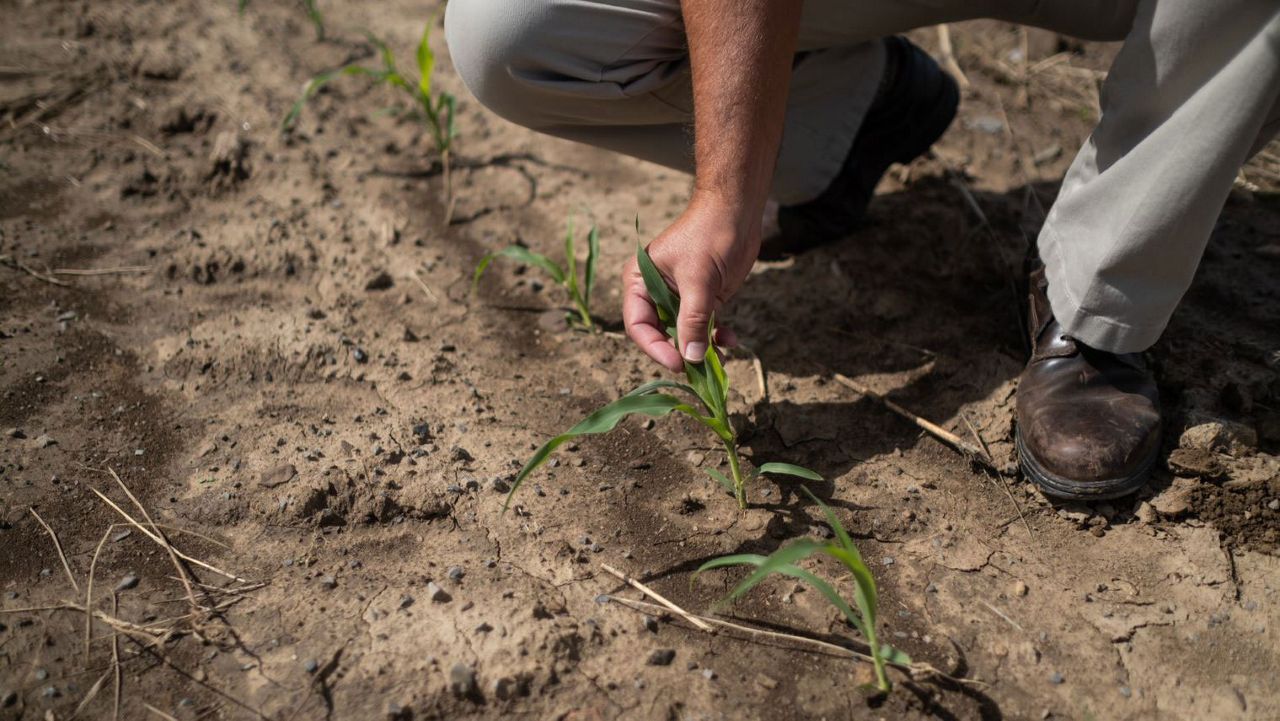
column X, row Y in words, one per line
column 1106, row 332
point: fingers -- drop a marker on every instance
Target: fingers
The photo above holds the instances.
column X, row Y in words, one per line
column 726, row 338
column 696, row 307
column 643, row 326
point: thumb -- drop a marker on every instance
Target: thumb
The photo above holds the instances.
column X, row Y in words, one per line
column 696, row 308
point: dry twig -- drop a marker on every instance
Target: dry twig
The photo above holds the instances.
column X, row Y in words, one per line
column 58, row 546
column 659, row 598
column 949, row 56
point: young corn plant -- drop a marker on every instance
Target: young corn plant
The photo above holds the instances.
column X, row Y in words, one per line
column 784, row 562
column 706, row 392
column 434, row 108
column 313, row 14
column 566, row 276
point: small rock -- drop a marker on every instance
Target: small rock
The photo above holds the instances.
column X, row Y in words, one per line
column 15, row 433
column 311, row 666
column 456, row 573
column 1274, row 504
column 126, row 583
column 437, row 594
column 1176, row 499
column 1020, row 589
column 1220, row 436
column 8, row 698
column 1056, row 678
column 1145, row 513
column 986, row 124
column 329, row 582
column 499, row 484
column 696, row 458
column 462, row 680
column 407, row 600
column 650, row 624
column 602, row 599
column 766, row 682
column 381, row 281
column 42, row 674
column 484, row 627
column 359, row 355
column 662, row 657
column 708, row 674
column 44, row 441
column 278, row 476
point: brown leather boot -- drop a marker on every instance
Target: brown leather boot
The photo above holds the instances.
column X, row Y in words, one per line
column 1088, row 420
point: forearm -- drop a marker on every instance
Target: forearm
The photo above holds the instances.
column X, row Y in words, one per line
column 741, row 53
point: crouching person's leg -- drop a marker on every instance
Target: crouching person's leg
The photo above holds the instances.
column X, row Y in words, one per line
column 1191, row 94
column 614, row 74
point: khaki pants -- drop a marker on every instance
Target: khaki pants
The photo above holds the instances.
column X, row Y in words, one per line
column 1194, row 91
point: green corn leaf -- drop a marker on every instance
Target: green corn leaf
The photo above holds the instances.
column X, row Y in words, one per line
column 841, row 535
column 388, row 57
column 783, row 562
column 593, row 254
column 522, row 255
column 241, row 5
column 721, row 479
column 667, row 303
column 314, row 85
column 894, row 655
column 717, row 381
column 603, row 421
column 741, row 559
column 864, row 584
column 652, row 386
column 313, row 14
column 570, row 262
column 786, row 469
column 426, row 62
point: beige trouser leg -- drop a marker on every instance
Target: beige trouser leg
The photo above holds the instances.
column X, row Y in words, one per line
column 615, row 73
column 1193, row 90
column 1191, row 95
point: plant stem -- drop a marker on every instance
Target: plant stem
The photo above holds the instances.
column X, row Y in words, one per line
column 739, row 486
column 584, row 315
column 882, row 680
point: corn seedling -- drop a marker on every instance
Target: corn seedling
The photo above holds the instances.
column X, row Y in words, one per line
column 784, row 562
column 707, row 387
column 566, row 276
column 435, row 109
column 313, row 14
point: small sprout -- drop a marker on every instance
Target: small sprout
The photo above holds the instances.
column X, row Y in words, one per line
column 565, row 276
column 434, row 108
column 784, row 562
column 313, row 14
column 707, row 385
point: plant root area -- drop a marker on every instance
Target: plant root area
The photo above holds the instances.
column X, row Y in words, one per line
column 270, row 338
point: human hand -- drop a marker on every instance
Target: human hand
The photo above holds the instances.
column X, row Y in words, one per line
column 705, row 256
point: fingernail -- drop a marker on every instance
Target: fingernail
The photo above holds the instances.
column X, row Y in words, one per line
column 695, row 351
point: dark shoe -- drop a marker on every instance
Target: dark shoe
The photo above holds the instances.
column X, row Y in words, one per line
column 1088, row 420
column 916, row 103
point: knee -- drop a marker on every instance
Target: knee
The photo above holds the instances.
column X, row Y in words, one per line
column 491, row 43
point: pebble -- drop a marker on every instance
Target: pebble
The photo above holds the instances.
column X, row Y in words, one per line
column 407, row 600
column 437, row 594
column 662, row 657
column 329, row 582
column 1019, row 589
column 358, row 354
column 41, row 674
column 462, row 680
column 381, row 281
column 8, row 699
column 311, row 666
column 602, row 599
column 129, row 581
column 1274, row 504
column 650, row 624
column 708, row 674
column 499, row 485
column 1126, row 691
column 15, row 433
column 456, row 573
column 767, row 682
column 1056, row 678
column 45, row 441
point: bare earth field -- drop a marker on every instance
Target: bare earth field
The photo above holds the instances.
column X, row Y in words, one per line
column 337, row 439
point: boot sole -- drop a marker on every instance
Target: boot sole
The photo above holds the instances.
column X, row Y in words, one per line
column 1072, row 490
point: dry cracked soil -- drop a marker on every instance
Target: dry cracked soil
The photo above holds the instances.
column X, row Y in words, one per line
column 270, row 338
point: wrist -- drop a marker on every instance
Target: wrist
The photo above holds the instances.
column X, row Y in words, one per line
column 740, row 211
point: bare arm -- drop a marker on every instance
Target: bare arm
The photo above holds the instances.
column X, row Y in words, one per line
column 741, row 53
